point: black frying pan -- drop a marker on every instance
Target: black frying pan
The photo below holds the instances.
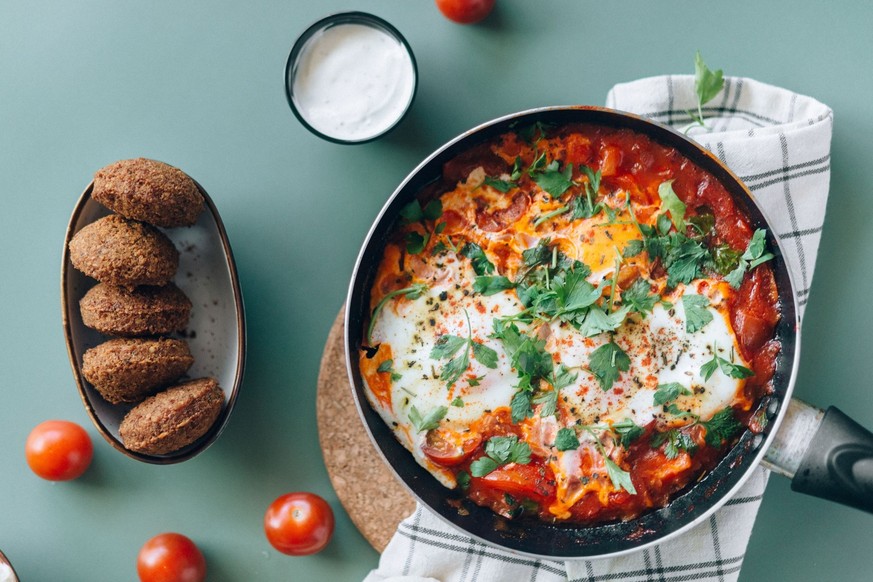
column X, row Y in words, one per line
column 826, row 454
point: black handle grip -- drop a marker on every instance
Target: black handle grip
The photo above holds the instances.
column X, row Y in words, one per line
column 839, row 463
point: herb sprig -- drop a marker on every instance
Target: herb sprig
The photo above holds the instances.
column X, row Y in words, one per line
column 414, row 212
column 414, row 291
column 707, row 84
column 500, row 451
column 449, row 345
column 567, row 439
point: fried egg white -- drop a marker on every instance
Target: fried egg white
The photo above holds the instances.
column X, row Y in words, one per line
column 660, row 349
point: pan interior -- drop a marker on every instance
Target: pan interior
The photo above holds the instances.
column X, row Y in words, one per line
column 530, row 536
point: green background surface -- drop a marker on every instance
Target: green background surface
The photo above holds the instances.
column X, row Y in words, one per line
column 199, row 84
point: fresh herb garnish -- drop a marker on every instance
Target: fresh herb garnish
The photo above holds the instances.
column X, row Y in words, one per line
column 727, row 367
column 566, row 439
column 478, row 258
column 628, row 431
column 458, row 402
column 554, row 180
column 387, row 367
column 638, row 297
column 428, row 422
column 753, row 256
column 412, row 292
column 412, row 213
column 531, row 361
column 707, row 84
column 490, row 285
column 674, row 441
column 448, row 345
column 721, row 427
column 607, row 362
column 549, row 399
column 501, row 451
column 669, row 392
column 670, row 203
column 463, row 479
column 500, row 185
column 697, row 313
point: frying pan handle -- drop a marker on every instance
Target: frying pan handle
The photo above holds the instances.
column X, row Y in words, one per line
column 838, row 465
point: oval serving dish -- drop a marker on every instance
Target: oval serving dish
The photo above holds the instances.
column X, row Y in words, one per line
column 215, row 333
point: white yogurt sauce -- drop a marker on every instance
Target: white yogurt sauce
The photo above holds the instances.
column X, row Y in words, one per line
column 353, row 81
column 6, row 574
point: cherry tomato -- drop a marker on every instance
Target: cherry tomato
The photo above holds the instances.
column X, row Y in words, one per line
column 58, row 450
column 532, row 481
column 299, row 524
column 170, row 557
column 465, row 11
column 449, row 449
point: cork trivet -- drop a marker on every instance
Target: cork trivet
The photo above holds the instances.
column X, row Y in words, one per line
column 365, row 486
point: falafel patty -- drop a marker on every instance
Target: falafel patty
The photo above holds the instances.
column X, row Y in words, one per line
column 148, row 190
column 142, row 311
column 124, row 252
column 172, row 419
column 129, row 369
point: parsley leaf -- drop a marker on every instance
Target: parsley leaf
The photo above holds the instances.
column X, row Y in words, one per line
column 728, row 368
column 597, row 321
column 724, row 259
column 500, row 185
column 549, row 401
column 669, row 392
column 458, row 402
column 491, row 285
column 463, row 479
column 520, row 405
column 429, row 421
column 607, row 362
column 448, row 345
column 562, row 378
column 628, row 431
column 707, row 84
column 753, row 256
column 696, row 313
column 566, row 439
column 620, row 478
column 484, row 355
column 670, row 202
column 388, row 367
column 755, row 251
column 508, row 449
column 538, row 254
column 530, row 360
column 412, row 292
column 674, row 441
column 633, row 248
column 501, row 450
column 477, row 257
column 553, row 180
column 415, row 243
column 721, row 427
column 482, row 466
column 412, row 212
column 638, row 299
column 683, row 260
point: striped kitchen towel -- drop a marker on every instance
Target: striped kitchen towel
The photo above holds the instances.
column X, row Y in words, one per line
column 778, row 143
